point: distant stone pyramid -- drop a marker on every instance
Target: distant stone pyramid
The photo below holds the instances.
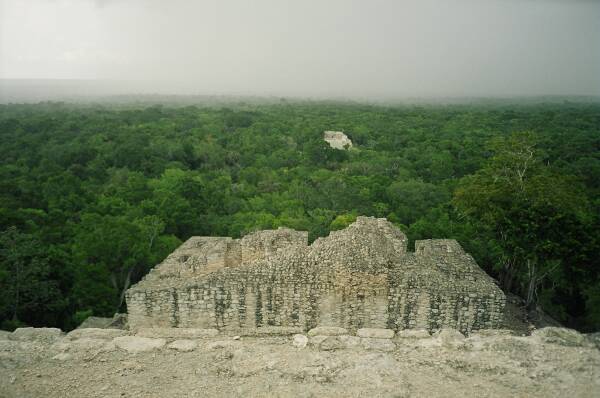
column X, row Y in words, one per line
column 337, row 139
column 361, row 276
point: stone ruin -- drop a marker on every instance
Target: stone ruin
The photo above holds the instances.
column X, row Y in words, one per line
column 358, row 277
column 337, row 139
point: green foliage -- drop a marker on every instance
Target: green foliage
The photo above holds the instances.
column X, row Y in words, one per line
column 81, row 316
column 91, row 197
column 30, row 292
column 592, row 303
column 342, row 221
column 537, row 216
column 12, row 324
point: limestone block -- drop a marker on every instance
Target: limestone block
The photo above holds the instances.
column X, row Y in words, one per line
column 378, row 344
column 135, row 344
column 82, row 346
column 176, row 333
column 450, row 338
column 327, row 331
column 95, row 333
column 44, row 335
column 4, row 335
column 331, row 343
column 493, row 333
column 271, row 331
column 449, row 335
column 87, row 344
column 560, row 336
column 95, row 322
column 183, row 345
column 413, row 334
column 299, row 340
column 316, row 340
column 350, row 341
column 375, row 333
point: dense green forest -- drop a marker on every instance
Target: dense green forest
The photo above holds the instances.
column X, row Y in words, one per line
column 93, row 196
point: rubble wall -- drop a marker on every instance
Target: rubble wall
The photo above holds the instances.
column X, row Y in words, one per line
column 358, row 277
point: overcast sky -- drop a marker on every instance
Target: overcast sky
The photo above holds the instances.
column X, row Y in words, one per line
column 365, row 48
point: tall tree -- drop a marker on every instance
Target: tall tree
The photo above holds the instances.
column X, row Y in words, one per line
column 29, row 292
column 536, row 214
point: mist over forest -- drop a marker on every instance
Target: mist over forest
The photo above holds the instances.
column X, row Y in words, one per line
column 122, row 120
column 378, row 49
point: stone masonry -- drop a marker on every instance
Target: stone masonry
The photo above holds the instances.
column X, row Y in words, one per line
column 337, row 139
column 358, row 277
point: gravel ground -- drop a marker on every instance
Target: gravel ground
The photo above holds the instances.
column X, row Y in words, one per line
column 556, row 363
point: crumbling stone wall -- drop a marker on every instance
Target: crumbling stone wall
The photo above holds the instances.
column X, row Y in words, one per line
column 262, row 244
column 358, row 277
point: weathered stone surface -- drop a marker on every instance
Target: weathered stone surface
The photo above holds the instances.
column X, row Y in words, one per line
column 327, row 331
column 522, row 346
column 503, row 366
column 176, row 333
column 494, row 332
column 299, row 340
column 271, row 331
column 337, row 139
column 560, row 336
column 358, row 277
column 8, row 345
column 45, row 335
column 4, row 335
column 83, row 346
column 135, row 344
column 87, row 344
column 118, row 321
column 413, row 334
column 350, row 341
column 377, row 344
column 222, row 344
column 375, row 333
column 95, row 333
column 63, row 356
column 183, row 345
column 331, row 343
column 449, row 335
column 61, row 345
column 316, row 340
column 95, row 322
column 449, row 338
column 594, row 338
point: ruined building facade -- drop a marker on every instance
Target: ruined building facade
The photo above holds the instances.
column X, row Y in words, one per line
column 361, row 276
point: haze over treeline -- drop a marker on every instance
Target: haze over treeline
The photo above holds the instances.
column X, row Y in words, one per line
column 359, row 49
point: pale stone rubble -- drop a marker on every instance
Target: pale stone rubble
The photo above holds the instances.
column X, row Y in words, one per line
column 183, row 345
column 355, row 278
column 326, row 361
column 91, row 341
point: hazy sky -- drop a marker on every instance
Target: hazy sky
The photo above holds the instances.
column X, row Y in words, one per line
column 366, row 48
